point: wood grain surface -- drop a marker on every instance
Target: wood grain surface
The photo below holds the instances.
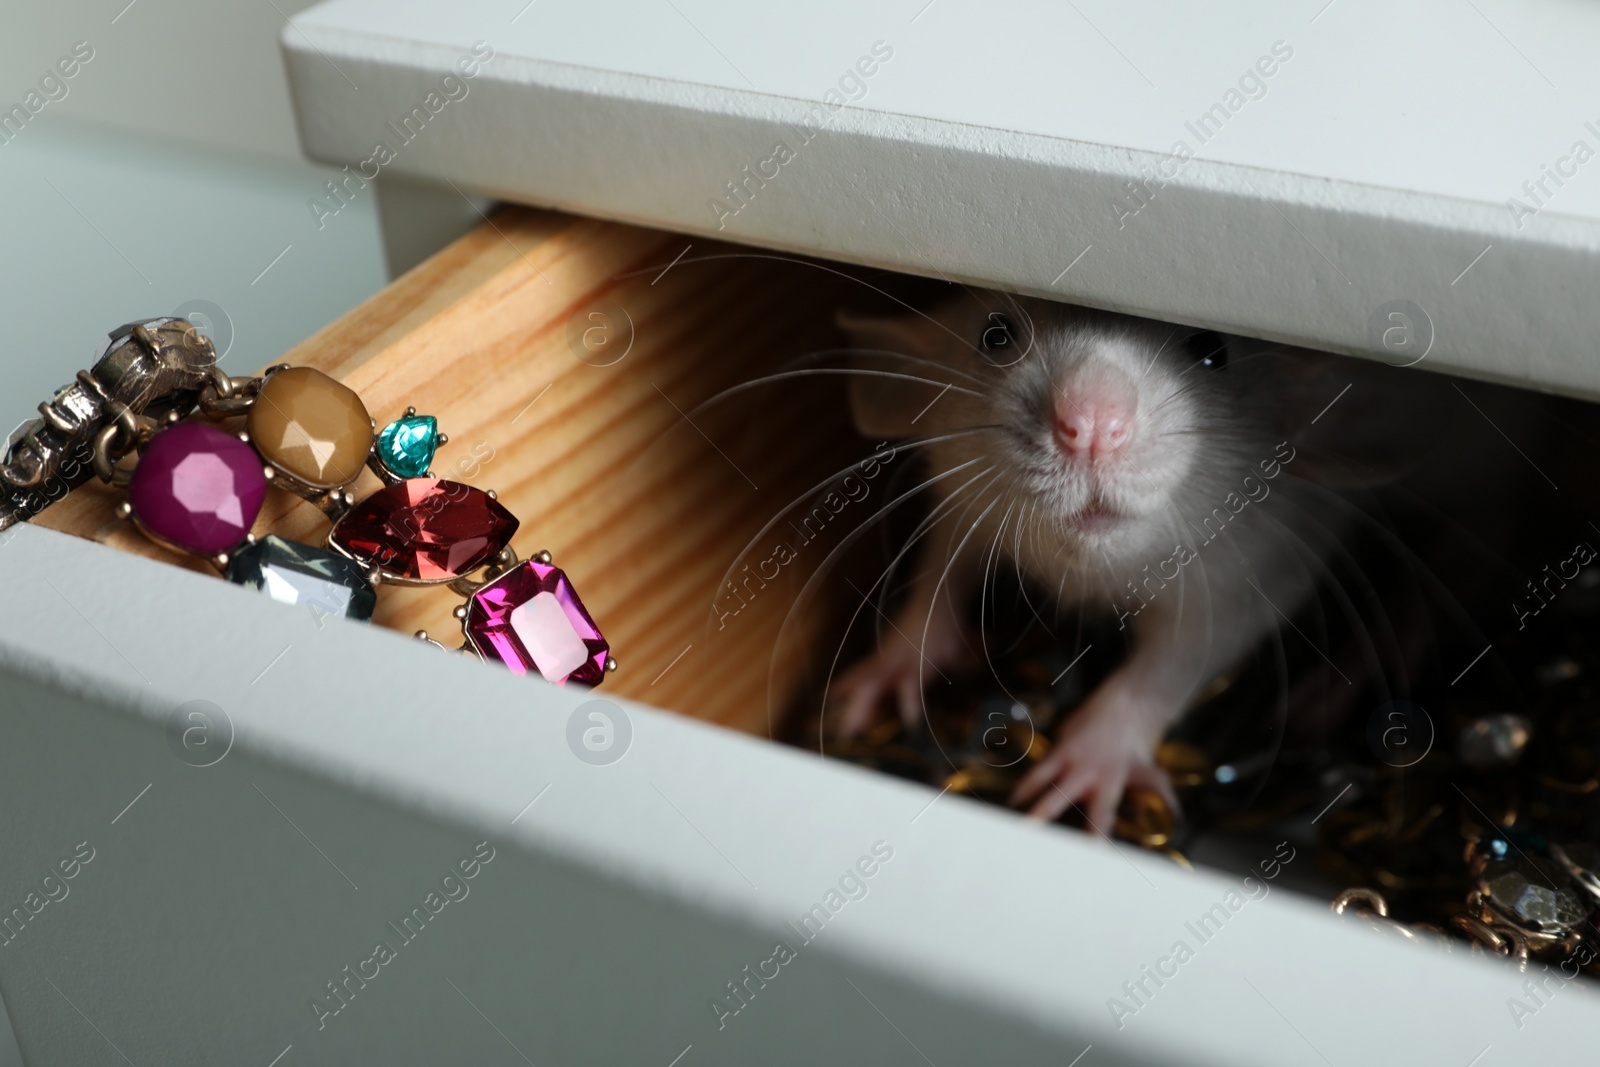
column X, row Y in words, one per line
column 644, row 499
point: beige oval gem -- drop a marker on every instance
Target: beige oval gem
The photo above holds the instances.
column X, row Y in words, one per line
column 311, row 427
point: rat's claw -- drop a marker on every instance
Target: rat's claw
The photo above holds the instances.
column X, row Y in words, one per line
column 1067, row 784
column 1035, row 782
column 911, row 713
column 1099, row 754
column 863, row 688
column 1108, row 789
column 1052, row 793
column 901, row 668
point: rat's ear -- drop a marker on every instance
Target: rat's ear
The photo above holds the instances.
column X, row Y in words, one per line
column 884, row 407
column 1357, row 422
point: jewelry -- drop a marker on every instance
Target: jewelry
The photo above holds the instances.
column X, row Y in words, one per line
column 527, row 616
column 198, row 489
column 146, row 369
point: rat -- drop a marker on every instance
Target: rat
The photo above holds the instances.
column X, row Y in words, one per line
column 1181, row 482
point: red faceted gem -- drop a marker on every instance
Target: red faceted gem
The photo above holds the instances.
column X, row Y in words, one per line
column 531, row 619
column 425, row 530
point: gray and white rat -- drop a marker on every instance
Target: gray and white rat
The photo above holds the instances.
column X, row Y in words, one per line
column 1155, row 473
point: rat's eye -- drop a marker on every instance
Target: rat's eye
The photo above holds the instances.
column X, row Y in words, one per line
column 1208, row 348
column 998, row 344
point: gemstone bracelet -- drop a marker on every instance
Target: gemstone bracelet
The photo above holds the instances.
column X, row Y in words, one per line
column 198, row 489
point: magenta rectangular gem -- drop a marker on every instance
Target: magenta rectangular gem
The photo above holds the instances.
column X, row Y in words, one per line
column 531, row 620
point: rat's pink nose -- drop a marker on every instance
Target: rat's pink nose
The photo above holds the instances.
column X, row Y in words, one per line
column 1093, row 423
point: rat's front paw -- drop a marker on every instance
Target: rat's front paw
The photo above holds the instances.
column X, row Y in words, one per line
column 862, row 689
column 1099, row 754
column 898, row 668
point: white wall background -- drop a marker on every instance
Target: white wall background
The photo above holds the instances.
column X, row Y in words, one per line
column 202, row 70
column 169, row 173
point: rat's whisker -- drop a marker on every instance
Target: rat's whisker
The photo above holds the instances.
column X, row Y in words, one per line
column 814, row 266
column 927, row 625
column 1280, row 659
column 1183, row 390
column 882, row 353
column 1021, row 597
column 829, row 480
column 922, row 529
column 990, row 573
column 866, row 598
column 820, row 372
column 1016, row 560
column 885, row 582
column 1174, row 333
column 1382, row 627
column 1456, row 612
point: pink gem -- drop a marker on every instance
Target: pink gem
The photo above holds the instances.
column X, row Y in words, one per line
column 531, row 619
column 197, row 488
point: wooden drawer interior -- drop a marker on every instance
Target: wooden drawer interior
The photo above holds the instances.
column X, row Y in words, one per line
column 642, row 495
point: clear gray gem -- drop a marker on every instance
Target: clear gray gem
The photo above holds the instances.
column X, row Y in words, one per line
column 1529, row 895
column 292, row 573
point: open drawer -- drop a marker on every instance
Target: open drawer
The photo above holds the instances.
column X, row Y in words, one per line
column 702, row 895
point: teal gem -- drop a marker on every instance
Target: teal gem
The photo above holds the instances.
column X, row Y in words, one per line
column 407, row 444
